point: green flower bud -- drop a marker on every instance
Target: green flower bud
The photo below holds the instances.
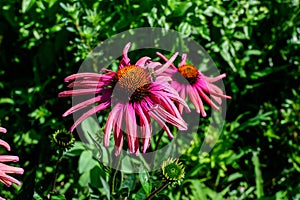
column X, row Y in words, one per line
column 63, row 139
column 173, row 170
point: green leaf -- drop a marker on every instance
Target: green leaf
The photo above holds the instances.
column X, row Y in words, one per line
column 258, row 175
column 145, row 180
column 90, row 127
column 140, row 194
column 77, row 149
column 185, row 29
column 86, row 161
column 6, row 100
column 58, row 197
column 234, row 176
column 85, row 179
column 106, row 187
column 129, row 182
column 26, row 5
column 181, row 8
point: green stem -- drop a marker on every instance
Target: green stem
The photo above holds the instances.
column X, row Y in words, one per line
column 158, row 141
column 56, row 169
column 163, row 186
column 114, row 176
column 155, row 151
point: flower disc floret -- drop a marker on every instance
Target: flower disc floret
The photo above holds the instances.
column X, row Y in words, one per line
column 133, row 83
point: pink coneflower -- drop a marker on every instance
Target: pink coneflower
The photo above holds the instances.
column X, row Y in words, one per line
column 136, row 98
column 189, row 81
column 6, row 169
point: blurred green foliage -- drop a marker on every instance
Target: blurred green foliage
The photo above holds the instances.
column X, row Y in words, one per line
column 256, row 43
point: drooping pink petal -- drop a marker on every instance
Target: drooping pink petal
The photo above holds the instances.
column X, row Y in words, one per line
column 80, row 92
column 2, row 130
column 8, row 180
column 86, row 75
column 110, row 123
column 207, row 99
column 182, row 95
column 6, row 169
column 166, row 116
column 214, row 79
column 119, row 131
column 5, row 158
column 5, row 144
column 145, row 129
column 196, row 100
column 81, row 105
column 131, row 127
column 10, row 169
column 90, row 112
column 161, row 122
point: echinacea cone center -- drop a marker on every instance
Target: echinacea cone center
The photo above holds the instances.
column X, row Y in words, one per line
column 133, row 81
column 189, row 72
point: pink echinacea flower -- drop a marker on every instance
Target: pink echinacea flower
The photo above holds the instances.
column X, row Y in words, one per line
column 135, row 97
column 6, row 169
column 191, row 83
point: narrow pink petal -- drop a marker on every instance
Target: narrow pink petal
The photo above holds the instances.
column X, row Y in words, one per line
column 10, row 169
column 89, row 84
column 207, row 99
column 131, row 126
column 110, row 123
column 196, row 100
column 4, row 144
column 173, row 96
column 215, row 90
column 214, row 79
column 183, row 59
column 165, row 59
column 104, row 98
column 92, row 111
column 167, row 64
column 163, row 79
column 8, row 180
column 119, row 146
column 145, row 129
column 2, row 130
column 143, row 61
column 200, row 102
column 5, row 158
column 161, row 123
column 118, row 132
column 214, row 93
column 153, row 65
column 79, row 92
column 182, row 95
column 176, row 121
column 125, row 60
column 82, row 75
